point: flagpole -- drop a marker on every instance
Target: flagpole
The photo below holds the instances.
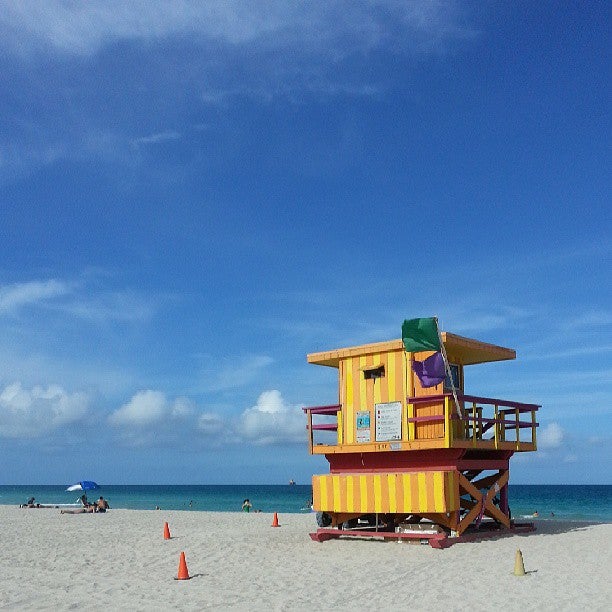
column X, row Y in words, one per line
column 448, row 370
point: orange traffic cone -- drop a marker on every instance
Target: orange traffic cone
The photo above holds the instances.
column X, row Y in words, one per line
column 166, row 531
column 275, row 521
column 183, row 573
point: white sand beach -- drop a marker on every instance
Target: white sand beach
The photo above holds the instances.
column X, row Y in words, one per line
column 120, row 561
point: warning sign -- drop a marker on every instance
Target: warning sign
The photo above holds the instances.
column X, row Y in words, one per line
column 388, row 421
column 362, row 421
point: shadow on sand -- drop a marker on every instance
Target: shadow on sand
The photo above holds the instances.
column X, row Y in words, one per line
column 554, row 527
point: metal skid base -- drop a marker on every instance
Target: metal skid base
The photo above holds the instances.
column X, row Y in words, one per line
column 435, row 540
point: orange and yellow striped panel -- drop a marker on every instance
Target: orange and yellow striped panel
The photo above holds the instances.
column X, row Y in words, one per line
column 401, row 492
column 357, row 393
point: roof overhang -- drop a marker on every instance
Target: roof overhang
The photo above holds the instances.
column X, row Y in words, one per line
column 465, row 351
column 468, row 351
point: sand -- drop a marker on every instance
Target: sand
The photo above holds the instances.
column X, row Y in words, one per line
column 120, row 561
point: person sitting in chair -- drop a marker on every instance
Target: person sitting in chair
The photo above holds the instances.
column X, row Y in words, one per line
column 102, row 505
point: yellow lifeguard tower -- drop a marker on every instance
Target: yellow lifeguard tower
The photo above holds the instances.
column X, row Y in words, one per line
column 410, row 454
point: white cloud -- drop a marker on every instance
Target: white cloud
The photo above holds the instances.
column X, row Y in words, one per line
column 230, row 49
column 595, row 440
column 145, row 408
column 156, row 138
column 232, row 372
column 182, row 408
column 548, row 355
column 149, row 419
column 38, row 411
column 106, row 305
column 17, row 295
column 83, row 28
column 271, row 421
column 148, row 408
column 211, row 424
column 589, row 319
column 80, row 298
column 551, row 436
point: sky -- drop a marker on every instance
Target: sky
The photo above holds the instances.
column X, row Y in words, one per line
column 193, row 196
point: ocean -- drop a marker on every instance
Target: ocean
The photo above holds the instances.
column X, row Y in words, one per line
column 551, row 502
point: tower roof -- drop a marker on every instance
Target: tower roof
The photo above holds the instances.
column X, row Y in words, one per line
column 466, row 351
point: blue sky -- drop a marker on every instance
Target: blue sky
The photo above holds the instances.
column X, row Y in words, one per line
column 194, row 196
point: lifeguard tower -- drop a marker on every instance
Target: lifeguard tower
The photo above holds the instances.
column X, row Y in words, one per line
column 410, row 454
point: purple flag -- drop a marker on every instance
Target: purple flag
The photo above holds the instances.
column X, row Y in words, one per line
column 431, row 371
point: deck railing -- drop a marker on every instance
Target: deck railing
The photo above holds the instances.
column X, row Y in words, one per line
column 479, row 422
column 334, row 410
column 479, row 419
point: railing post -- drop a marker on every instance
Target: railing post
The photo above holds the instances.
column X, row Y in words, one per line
column 518, row 429
column 533, row 430
column 340, row 426
column 411, row 425
column 447, row 423
column 496, row 425
column 309, row 428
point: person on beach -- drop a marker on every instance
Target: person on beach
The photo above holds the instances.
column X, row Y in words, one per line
column 84, row 501
column 89, row 508
column 246, row 505
column 102, row 505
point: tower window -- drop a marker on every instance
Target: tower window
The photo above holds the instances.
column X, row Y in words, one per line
column 455, row 373
column 373, row 372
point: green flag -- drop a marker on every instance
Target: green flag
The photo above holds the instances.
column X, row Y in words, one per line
column 420, row 335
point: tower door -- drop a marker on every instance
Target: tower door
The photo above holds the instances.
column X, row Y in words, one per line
column 427, row 429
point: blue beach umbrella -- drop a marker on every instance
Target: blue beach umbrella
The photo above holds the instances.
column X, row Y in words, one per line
column 84, row 485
